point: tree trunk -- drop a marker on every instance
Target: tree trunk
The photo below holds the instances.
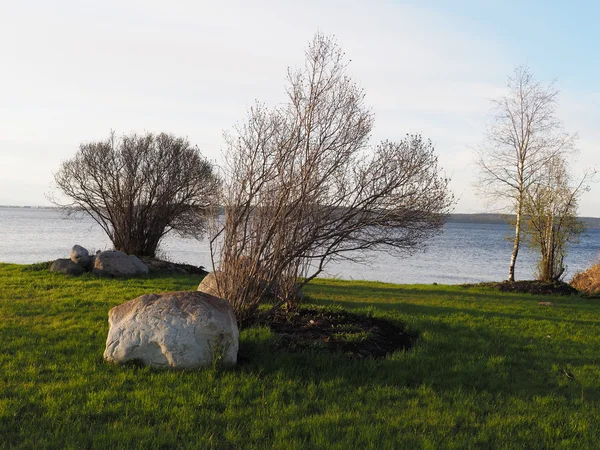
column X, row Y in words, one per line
column 517, row 241
column 551, row 250
column 547, row 245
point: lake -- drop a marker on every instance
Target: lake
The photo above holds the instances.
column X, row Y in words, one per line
column 463, row 253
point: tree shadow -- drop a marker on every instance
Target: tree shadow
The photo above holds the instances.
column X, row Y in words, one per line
column 390, row 298
column 449, row 357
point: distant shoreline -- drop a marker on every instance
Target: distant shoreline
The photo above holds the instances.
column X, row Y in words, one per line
column 27, row 207
column 491, row 218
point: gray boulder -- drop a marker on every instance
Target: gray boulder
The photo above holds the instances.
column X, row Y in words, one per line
column 114, row 263
column 67, row 267
column 140, row 267
column 208, row 285
column 80, row 255
column 176, row 329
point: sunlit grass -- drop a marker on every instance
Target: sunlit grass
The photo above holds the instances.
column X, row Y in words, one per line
column 489, row 370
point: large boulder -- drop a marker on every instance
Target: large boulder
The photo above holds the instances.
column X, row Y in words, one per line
column 67, row 267
column 176, row 329
column 79, row 255
column 115, row 263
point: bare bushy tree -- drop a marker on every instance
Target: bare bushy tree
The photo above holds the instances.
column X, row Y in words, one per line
column 551, row 212
column 302, row 187
column 140, row 187
column 523, row 137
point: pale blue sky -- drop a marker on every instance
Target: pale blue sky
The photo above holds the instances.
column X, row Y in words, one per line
column 74, row 70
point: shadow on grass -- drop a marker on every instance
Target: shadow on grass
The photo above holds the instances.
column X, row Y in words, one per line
column 391, row 298
column 451, row 356
column 417, row 309
column 393, row 291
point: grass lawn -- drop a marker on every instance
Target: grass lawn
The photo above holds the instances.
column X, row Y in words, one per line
column 489, row 370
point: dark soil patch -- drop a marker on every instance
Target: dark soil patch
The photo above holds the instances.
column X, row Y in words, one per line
column 38, row 267
column 532, row 287
column 170, row 268
column 357, row 336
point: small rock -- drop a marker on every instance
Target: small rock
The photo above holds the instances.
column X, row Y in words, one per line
column 67, row 267
column 208, row 285
column 115, row 263
column 80, row 255
column 141, row 268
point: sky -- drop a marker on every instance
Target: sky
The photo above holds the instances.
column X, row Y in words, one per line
column 72, row 71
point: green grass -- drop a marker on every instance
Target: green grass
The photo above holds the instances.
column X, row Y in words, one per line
column 489, row 370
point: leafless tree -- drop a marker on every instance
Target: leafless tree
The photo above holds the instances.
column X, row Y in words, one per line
column 140, row 187
column 523, row 137
column 302, row 187
column 551, row 212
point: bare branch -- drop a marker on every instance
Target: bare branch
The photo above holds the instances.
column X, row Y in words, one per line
column 303, row 187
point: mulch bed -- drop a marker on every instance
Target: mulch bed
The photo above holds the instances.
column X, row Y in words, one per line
column 169, row 268
column 357, row 336
column 532, row 287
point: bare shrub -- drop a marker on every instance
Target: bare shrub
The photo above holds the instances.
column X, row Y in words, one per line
column 587, row 281
column 551, row 216
column 303, row 188
column 140, row 187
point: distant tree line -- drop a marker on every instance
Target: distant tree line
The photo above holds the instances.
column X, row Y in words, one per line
column 496, row 218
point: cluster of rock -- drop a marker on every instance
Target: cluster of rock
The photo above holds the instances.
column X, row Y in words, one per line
column 111, row 263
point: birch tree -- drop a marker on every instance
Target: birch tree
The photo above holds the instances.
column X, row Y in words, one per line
column 523, row 137
column 551, row 216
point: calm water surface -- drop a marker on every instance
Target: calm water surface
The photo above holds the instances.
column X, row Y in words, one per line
column 463, row 253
